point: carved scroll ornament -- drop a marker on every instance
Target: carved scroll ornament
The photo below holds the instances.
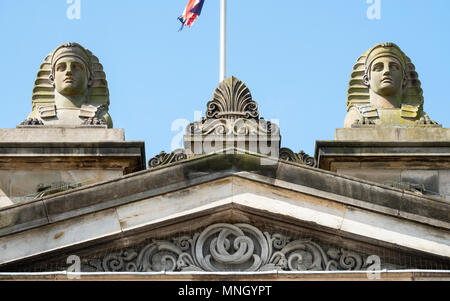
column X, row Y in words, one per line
column 230, row 247
column 166, row 158
column 302, row 157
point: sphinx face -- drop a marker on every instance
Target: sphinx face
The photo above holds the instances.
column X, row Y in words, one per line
column 386, row 76
column 71, row 76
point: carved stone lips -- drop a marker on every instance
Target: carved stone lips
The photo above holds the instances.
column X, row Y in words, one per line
column 69, row 80
column 386, row 79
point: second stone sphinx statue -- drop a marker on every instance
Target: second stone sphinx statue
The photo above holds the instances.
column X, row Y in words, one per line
column 70, row 90
column 384, row 89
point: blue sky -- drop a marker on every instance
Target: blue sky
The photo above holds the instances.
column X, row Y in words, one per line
column 296, row 57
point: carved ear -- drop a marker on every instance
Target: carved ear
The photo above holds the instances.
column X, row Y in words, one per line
column 366, row 80
column 405, row 82
column 51, row 79
column 90, row 81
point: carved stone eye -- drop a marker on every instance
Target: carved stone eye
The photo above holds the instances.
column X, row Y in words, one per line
column 77, row 66
column 394, row 67
column 61, row 67
column 378, row 67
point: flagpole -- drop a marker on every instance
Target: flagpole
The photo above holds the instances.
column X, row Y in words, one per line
column 223, row 40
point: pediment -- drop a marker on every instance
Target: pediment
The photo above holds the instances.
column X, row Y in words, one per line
column 282, row 205
column 233, row 237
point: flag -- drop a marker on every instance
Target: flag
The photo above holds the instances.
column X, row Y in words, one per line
column 191, row 12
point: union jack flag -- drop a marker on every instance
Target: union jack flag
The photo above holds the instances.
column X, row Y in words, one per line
column 191, row 12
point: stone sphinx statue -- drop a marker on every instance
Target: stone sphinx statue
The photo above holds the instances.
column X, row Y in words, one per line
column 70, row 90
column 384, row 89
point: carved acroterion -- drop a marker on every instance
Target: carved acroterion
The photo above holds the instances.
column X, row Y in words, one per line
column 232, row 111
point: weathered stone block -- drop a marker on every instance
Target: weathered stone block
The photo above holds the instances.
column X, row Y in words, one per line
column 322, row 181
column 428, row 178
column 29, row 168
column 24, row 183
column 385, row 197
column 22, row 217
column 59, row 235
column 444, row 182
column 406, row 165
column 426, row 207
column 383, row 176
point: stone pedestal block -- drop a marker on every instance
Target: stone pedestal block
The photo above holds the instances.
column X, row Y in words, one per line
column 422, row 167
column 266, row 145
column 35, row 162
column 61, row 134
column 382, row 133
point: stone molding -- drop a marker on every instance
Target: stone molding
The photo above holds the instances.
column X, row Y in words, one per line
column 389, row 134
column 44, row 134
column 181, row 154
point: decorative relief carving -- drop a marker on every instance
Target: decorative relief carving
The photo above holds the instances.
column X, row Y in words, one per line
column 236, row 127
column 164, row 158
column 227, row 247
column 302, row 158
column 232, row 100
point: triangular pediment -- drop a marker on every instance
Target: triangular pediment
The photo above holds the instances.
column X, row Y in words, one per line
column 249, row 226
column 222, row 193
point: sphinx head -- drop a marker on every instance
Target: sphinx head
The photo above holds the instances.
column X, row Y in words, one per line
column 70, row 70
column 385, row 68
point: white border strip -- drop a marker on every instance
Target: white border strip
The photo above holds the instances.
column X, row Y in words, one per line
column 274, row 272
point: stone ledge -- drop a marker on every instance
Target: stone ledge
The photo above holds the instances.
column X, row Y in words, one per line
column 381, row 151
column 384, row 275
column 397, row 134
column 53, row 149
column 53, row 134
column 47, row 152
